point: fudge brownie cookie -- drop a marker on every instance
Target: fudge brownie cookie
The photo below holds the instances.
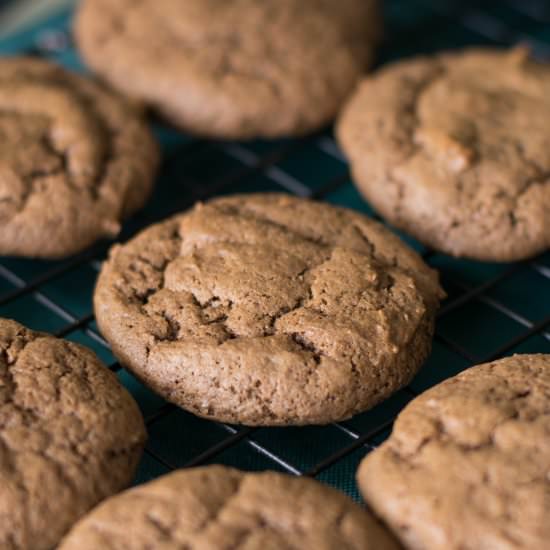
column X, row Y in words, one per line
column 455, row 149
column 70, row 435
column 268, row 310
column 467, row 464
column 232, row 68
column 219, row 507
column 75, row 160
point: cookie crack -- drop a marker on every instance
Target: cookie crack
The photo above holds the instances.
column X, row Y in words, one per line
column 250, row 215
column 29, row 416
column 162, row 530
column 241, row 539
column 29, row 180
column 441, row 432
column 174, row 326
column 143, row 297
column 411, row 109
column 402, row 216
column 227, row 68
column 228, row 501
column 368, row 243
column 540, row 176
column 93, row 189
column 485, row 478
column 230, row 45
column 23, row 339
column 306, row 345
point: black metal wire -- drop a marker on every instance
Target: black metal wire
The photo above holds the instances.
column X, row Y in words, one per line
column 268, row 164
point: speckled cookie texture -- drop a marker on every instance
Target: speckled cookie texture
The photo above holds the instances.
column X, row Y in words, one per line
column 268, row 310
column 75, row 160
column 70, row 435
column 232, row 68
column 468, row 462
column 223, row 508
column 455, row 149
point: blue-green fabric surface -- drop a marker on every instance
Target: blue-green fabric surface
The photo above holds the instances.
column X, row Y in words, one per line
column 509, row 313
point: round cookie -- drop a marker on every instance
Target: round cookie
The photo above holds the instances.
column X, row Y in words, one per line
column 232, row 68
column 75, row 160
column 219, row 507
column 268, row 310
column 70, row 435
column 455, row 150
column 467, row 463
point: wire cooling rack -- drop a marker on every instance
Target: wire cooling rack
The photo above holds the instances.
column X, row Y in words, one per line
column 492, row 310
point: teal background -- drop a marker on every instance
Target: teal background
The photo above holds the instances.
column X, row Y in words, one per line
column 492, row 309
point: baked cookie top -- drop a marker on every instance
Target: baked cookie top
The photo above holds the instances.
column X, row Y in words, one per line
column 455, row 149
column 219, row 507
column 70, row 435
column 232, row 68
column 467, row 463
column 75, row 160
column 268, row 309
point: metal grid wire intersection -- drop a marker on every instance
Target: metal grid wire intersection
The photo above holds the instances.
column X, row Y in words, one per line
column 265, row 166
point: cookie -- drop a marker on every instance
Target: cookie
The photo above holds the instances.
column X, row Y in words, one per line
column 75, row 160
column 467, row 463
column 268, row 310
column 219, row 507
column 455, row 150
column 70, row 435
column 232, row 68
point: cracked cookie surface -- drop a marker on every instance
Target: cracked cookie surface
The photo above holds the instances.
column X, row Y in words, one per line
column 268, row 310
column 455, row 150
column 70, row 435
column 232, row 68
column 224, row 508
column 468, row 462
column 75, row 160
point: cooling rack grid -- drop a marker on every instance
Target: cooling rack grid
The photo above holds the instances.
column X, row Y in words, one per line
column 492, row 310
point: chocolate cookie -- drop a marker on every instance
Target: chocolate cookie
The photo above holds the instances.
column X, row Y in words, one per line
column 268, row 310
column 75, row 160
column 223, row 508
column 232, row 68
column 455, row 149
column 467, row 463
column 70, row 435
